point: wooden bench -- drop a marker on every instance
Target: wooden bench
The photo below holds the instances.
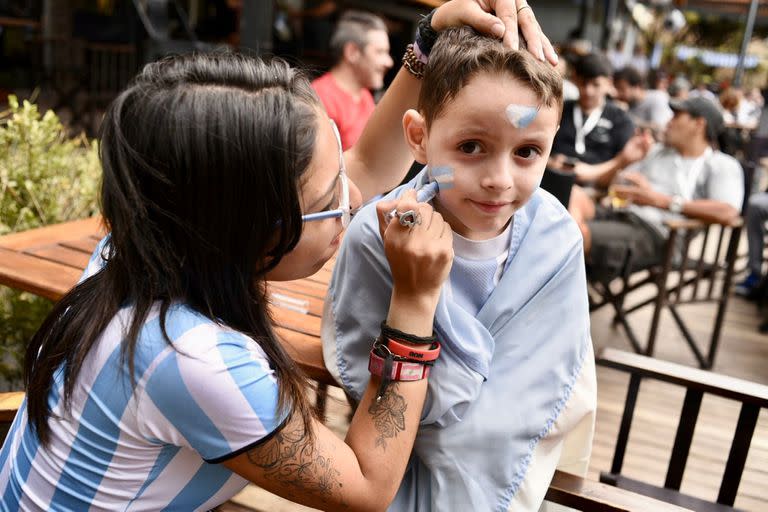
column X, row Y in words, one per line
column 48, row 261
column 752, row 396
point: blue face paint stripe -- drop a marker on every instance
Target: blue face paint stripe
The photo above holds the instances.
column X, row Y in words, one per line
column 99, row 428
column 520, row 116
column 443, row 175
column 207, row 481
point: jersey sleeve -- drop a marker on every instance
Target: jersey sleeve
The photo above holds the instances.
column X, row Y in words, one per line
column 215, row 394
column 96, row 262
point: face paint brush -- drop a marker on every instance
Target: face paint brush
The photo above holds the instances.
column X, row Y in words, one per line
column 440, row 178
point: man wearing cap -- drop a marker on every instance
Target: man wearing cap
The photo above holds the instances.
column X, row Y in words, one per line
column 682, row 176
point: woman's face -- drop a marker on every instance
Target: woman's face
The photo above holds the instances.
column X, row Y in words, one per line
column 320, row 191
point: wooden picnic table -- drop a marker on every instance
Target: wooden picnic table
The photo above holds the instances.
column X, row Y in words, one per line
column 48, row 262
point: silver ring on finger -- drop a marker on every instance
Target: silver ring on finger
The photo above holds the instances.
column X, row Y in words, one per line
column 409, row 219
column 526, row 6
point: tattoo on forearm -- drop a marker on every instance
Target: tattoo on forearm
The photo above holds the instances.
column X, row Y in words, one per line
column 388, row 415
column 293, row 460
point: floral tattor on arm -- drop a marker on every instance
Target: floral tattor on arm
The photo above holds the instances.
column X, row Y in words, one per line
column 292, row 459
column 388, row 415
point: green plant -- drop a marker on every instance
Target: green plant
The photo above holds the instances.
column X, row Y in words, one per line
column 45, row 177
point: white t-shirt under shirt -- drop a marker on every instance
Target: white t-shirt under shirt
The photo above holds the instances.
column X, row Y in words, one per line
column 568, row 445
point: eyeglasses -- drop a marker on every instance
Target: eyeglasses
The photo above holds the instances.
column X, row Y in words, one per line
column 342, row 190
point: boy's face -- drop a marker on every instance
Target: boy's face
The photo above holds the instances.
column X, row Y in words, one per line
column 496, row 152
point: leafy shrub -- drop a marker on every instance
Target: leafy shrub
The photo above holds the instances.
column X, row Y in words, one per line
column 45, row 177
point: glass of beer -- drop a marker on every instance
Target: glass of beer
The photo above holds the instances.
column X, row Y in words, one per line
column 617, row 202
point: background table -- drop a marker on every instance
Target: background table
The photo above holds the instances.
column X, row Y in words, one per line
column 48, row 262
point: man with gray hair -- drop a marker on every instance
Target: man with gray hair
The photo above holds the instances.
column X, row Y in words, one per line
column 360, row 46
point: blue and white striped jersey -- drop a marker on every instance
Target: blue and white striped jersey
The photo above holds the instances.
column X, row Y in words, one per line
column 154, row 446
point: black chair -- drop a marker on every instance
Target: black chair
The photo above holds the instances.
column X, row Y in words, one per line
column 753, row 397
column 703, row 274
column 697, row 267
column 559, row 184
column 168, row 29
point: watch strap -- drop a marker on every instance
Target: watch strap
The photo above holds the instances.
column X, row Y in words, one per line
column 676, row 204
column 399, row 370
column 426, row 35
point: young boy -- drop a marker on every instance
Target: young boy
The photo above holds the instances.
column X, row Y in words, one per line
column 512, row 396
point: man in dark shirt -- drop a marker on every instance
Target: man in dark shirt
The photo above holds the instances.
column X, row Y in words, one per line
column 593, row 131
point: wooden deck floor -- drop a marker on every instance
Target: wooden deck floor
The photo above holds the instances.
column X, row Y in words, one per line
column 743, row 353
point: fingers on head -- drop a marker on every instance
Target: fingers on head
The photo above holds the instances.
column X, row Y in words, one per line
column 511, row 39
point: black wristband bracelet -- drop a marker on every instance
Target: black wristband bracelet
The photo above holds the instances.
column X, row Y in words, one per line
column 426, row 35
column 391, row 332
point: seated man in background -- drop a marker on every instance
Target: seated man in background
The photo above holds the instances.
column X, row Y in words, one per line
column 593, row 131
column 360, row 45
column 649, row 108
column 683, row 176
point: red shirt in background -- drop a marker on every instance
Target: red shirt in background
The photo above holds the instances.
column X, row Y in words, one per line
column 349, row 114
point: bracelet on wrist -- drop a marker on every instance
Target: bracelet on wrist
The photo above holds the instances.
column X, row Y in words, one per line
column 394, row 358
column 412, row 63
column 391, row 370
column 426, row 35
column 392, row 333
column 406, row 351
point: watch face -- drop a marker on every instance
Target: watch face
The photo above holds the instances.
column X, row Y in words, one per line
column 676, row 205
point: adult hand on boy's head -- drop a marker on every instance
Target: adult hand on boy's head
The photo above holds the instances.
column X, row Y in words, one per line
column 509, row 16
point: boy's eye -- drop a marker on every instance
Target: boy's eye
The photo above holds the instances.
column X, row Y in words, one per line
column 528, row 152
column 470, row 148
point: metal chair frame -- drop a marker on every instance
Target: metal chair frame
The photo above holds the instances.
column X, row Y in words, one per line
column 697, row 277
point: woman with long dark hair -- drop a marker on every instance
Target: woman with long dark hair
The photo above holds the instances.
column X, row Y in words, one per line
column 158, row 382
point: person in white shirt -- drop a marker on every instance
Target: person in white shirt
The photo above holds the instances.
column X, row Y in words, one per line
column 649, row 108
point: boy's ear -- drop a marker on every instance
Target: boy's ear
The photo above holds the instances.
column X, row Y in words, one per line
column 415, row 129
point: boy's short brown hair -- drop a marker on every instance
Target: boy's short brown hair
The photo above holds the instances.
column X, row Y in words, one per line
column 461, row 53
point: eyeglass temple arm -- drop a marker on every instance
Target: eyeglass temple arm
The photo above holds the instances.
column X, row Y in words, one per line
column 330, row 214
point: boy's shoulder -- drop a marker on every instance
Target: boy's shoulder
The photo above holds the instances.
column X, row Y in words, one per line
column 548, row 215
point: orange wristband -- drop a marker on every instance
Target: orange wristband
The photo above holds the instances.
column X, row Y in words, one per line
column 414, row 354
